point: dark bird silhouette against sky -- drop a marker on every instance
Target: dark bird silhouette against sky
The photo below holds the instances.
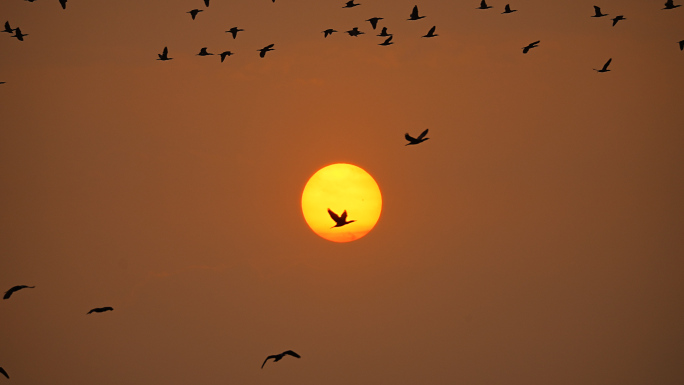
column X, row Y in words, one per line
column 355, row 32
column 63, row 3
column 508, row 9
column 4, row 373
column 19, row 35
column 681, row 45
column 9, row 292
column 350, row 4
column 101, row 309
column 374, row 21
column 234, row 31
column 414, row 14
column 194, row 13
column 164, row 55
column 431, row 32
column 262, row 52
column 278, row 357
column 528, row 47
column 224, row 54
column 328, row 32
column 384, row 33
column 483, row 5
column 617, row 18
column 8, row 29
column 203, row 52
column 340, row 220
column 387, row 41
column 605, row 66
column 421, row 138
column 670, row 5
column 597, row 12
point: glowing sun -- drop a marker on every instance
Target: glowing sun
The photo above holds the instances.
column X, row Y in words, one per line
column 341, row 187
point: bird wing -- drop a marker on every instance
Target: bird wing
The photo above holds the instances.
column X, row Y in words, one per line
column 334, row 216
column 268, row 47
column 669, row 3
column 414, row 14
column 166, row 51
column 681, row 45
column 107, row 308
column 388, row 40
column 508, row 8
column 409, row 137
column 422, row 135
column 605, row 66
column 432, row 30
column 267, row 358
column 4, row 373
column 344, row 216
column 483, row 4
column 63, row 2
column 206, row 3
column 7, row 26
column 293, row 354
column 535, row 43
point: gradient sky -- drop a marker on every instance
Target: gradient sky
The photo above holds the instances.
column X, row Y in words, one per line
column 537, row 238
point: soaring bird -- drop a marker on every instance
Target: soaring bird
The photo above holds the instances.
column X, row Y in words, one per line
column 278, row 357
column 670, row 5
column 605, row 66
column 164, row 55
column 384, row 33
column 414, row 14
column 18, row 34
column 530, row 46
column 262, row 52
column 508, row 9
column 387, row 41
column 617, row 18
column 350, row 4
column 4, row 373
column 597, row 12
column 63, row 3
column 339, row 220
column 681, row 45
column 483, row 5
column 206, row 3
column 224, row 54
column 8, row 29
column 9, row 292
column 421, row 138
column 431, row 32
column 374, row 21
column 101, row 309
column 234, row 31
column 194, row 13
column 203, row 52
column 328, row 32
column 354, row 32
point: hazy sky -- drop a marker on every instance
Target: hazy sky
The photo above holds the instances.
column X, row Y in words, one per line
column 537, row 238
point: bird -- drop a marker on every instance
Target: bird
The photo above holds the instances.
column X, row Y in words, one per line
column 617, row 18
column 262, row 52
column 384, row 33
column 431, row 32
column 414, row 14
column 508, row 9
column 206, row 3
column 340, row 220
column 194, row 13
column 387, row 41
column 349, row 4
column 203, row 52
column 278, row 357
column 8, row 29
column 605, row 66
column 164, row 55
column 101, row 309
column 374, row 21
column 597, row 12
column 234, row 31
column 670, row 5
column 530, row 46
column 483, row 5
column 4, row 373
column 421, row 138
column 9, row 292
column 328, row 32
column 681, row 45
column 63, row 3
column 224, row 54
column 355, row 32
column 18, row 34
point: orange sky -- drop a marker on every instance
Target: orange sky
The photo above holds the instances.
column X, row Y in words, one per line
column 535, row 239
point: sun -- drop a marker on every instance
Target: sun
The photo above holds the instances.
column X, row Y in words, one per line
column 341, row 187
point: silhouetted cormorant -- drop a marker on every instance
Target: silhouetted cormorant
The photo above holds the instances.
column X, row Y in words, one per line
column 234, row 31
column 431, row 32
column 262, row 52
column 530, row 46
column 597, row 12
column 278, row 357
column 354, row 32
column 483, row 5
column 340, row 220
column 374, row 21
column 384, row 33
column 414, row 14
column 164, row 55
column 670, row 5
column 328, row 32
column 617, row 18
column 9, row 292
column 508, row 9
column 421, row 138
column 387, row 41
column 203, row 52
column 8, row 29
column 18, row 34
column 224, row 54
column 194, row 13
column 350, row 4
column 605, row 66
column 101, row 309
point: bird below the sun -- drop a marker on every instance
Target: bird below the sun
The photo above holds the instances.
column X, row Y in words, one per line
column 278, row 357
column 340, row 220
column 421, row 138
column 101, row 309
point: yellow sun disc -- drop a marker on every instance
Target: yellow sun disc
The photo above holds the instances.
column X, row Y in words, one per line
column 341, row 187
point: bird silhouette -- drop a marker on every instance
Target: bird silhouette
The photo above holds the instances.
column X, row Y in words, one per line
column 387, row 41
column 350, row 4
column 530, row 46
column 63, row 3
column 164, row 55
column 431, row 32
column 101, row 309
column 340, row 220
column 328, row 32
column 18, row 34
column 355, row 32
column 670, row 5
column 681, row 45
column 278, row 357
column 194, row 13
column 508, row 9
column 206, row 3
column 203, row 52
column 234, row 31
column 605, row 66
column 262, row 52
column 483, row 5
column 421, row 138
column 414, row 14
column 224, row 54
column 8, row 29
column 4, row 373
column 9, row 292
column 384, row 33
column 374, row 21
column 617, row 18
column 597, row 12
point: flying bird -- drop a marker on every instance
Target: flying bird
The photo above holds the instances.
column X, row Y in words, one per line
column 234, row 31
column 681, row 45
column 328, row 32
column 101, row 309
column 387, row 41
column 164, row 55
column 4, row 373
column 203, row 52
column 605, row 66
column 508, row 9
column 8, row 29
column 278, row 357
column 431, row 32
column 597, row 12
column 670, row 5
column 224, row 54
column 194, row 13
column 483, row 5
column 530, row 46
column 617, row 18
column 9, row 292
column 63, row 3
column 339, row 220
column 354, row 32
column 421, row 138
column 18, row 34
column 374, row 21
column 384, row 33
column 262, row 52
column 414, row 14
column 348, row 4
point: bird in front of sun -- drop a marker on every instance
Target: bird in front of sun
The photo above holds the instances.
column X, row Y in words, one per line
column 340, row 220
column 420, row 139
column 101, row 309
column 278, row 357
